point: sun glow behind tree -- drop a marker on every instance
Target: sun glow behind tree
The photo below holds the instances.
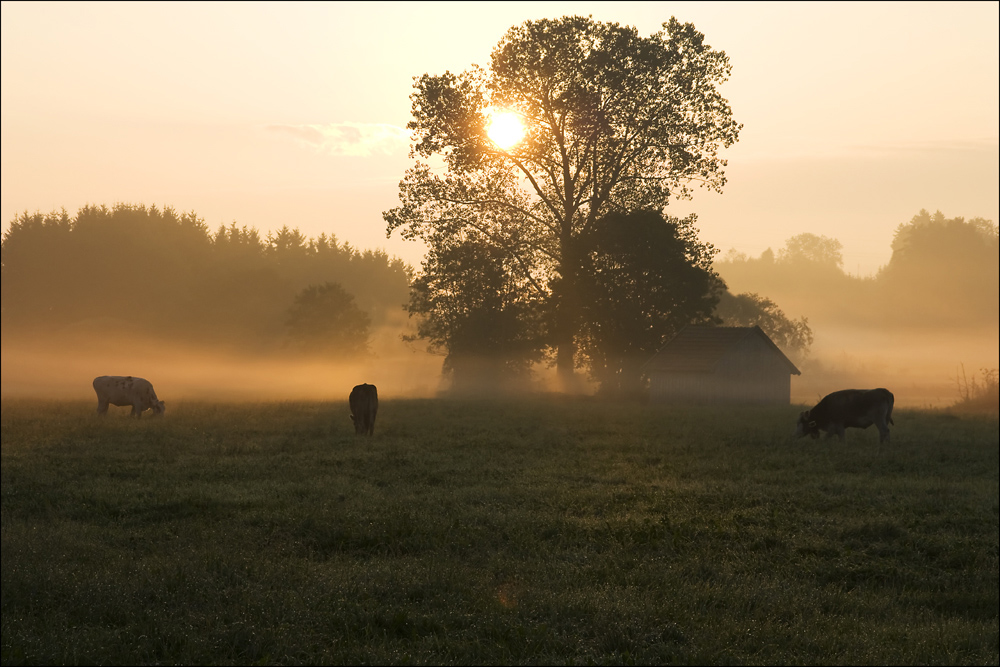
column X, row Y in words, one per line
column 504, row 128
column 616, row 122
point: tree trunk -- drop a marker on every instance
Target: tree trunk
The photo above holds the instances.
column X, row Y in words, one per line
column 567, row 317
column 565, row 353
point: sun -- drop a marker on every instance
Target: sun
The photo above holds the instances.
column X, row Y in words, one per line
column 505, row 128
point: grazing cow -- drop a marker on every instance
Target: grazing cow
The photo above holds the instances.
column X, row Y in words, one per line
column 854, row 408
column 364, row 405
column 127, row 390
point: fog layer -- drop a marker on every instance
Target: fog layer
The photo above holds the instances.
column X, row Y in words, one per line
column 64, row 365
column 229, row 316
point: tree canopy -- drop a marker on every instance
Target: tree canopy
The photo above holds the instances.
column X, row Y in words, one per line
column 646, row 277
column 475, row 305
column 749, row 309
column 819, row 251
column 614, row 122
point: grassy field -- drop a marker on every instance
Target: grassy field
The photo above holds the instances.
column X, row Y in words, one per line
column 550, row 531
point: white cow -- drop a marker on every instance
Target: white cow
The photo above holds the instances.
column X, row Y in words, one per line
column 126, row 390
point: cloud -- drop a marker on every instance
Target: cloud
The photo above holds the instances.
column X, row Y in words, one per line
column 349, row 139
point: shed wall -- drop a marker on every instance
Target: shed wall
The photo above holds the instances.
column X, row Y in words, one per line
column 749, row 373
column 715, row 388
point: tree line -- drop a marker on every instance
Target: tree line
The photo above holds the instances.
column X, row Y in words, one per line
column 943, row 272
column 156, row 271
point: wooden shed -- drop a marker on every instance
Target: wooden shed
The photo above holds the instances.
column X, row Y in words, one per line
column 721, row 365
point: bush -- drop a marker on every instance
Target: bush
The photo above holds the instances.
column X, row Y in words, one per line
column 979, row 397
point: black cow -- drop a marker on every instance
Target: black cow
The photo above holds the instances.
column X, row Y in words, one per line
column 849, row 408
column 364, row 405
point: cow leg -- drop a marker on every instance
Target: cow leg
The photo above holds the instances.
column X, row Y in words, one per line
column 883, row 432
column 136, row 412
column 102, row 408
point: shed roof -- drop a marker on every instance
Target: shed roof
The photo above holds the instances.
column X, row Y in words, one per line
column 697, row 349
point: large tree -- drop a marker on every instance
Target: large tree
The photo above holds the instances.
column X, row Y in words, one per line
column 475, row 305
column 646, row 277
column 614, row 122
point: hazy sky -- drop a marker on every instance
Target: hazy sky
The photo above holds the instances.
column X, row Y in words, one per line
column 856, row 115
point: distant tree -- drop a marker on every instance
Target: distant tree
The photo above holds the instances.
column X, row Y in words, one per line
column 746, row 310
column 820, row 251
column 805, row 275
column 324, row 319
column 943, row 271
column 614, row 122
column 807, row 256
column 645, row 277
column 474, row 302
column 238, row 244
column 939, row 240
column 287, row 247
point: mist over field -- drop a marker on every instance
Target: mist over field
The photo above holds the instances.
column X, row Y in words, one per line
column 63, row 367
column 923, row 368
column 231, row 316
column 234, row 317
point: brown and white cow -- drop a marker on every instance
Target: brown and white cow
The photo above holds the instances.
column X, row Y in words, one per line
column 848, row 408
column 364, row 406
column 127, row 390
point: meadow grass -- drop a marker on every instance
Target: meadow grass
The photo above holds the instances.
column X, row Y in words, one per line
column 546, row 530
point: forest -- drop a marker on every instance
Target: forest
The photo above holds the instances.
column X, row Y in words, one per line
column 157, row 272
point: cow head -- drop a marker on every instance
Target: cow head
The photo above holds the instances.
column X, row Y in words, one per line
column 806, row 426
column 359, row 426
column 159, row 408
